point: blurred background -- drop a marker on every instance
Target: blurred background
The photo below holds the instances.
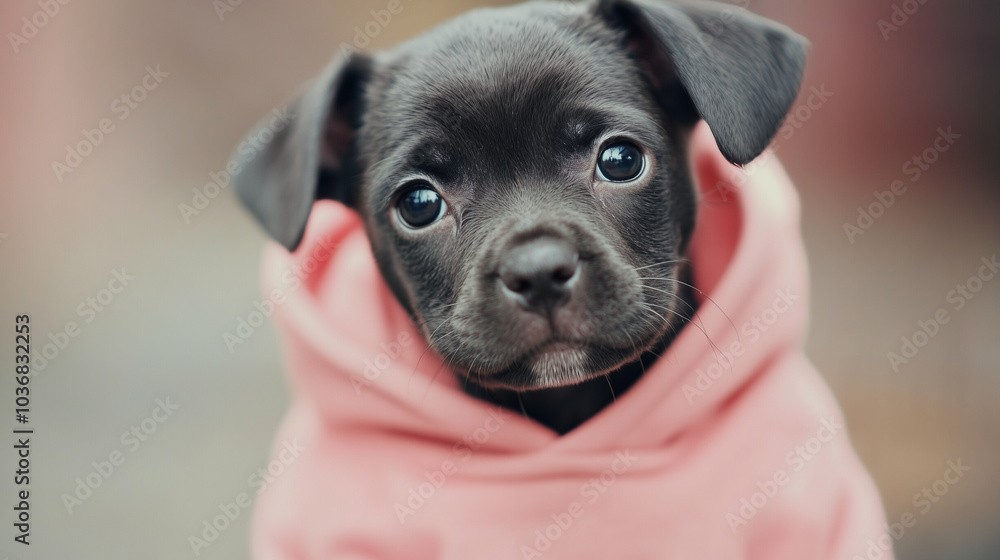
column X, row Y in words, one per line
column 208, row 70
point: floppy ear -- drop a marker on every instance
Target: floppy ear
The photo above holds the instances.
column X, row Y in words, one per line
column 287, row 163
column 736, row 70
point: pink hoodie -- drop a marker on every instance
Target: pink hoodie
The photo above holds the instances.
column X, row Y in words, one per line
column 730, row 447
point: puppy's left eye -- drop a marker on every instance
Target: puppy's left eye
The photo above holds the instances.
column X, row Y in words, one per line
column 420, row 206
column 620, row 162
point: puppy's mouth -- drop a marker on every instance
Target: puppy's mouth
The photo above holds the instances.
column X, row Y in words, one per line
column 553, row 363
column 556, row 361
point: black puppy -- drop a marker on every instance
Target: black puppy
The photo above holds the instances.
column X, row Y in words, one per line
column 522, row 176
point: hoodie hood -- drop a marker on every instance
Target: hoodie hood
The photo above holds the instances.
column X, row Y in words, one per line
column 731, row 445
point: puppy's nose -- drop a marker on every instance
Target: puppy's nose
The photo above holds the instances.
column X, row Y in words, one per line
column 538, row 274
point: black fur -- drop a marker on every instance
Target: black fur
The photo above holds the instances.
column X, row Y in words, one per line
column 503, row 111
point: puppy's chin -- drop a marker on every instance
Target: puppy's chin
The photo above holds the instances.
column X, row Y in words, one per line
column 554, row 364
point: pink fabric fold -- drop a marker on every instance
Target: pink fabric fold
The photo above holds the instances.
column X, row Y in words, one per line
column 731, row 446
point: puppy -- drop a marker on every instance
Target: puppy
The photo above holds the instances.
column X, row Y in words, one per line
column 522, row 177
column 519, row 179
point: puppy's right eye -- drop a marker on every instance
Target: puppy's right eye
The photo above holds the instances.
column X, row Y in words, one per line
column 420, row 206
column 620, row 162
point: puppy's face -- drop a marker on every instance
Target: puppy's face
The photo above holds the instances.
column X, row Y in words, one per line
column 534, row 224
column 522, row 174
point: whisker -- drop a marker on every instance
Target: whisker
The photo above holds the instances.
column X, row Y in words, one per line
column 430, row 341
column 663, row 263
column 607, row 377
column 694, row 312
column 521, row 402
column 708, row 297
column 647, row 307
column 654, row 325
column 431, row 383
column 635, row 348
column 716, row 351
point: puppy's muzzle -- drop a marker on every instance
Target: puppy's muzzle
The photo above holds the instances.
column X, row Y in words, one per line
column 539, row 274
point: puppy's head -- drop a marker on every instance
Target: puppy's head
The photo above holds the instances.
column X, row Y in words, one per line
column 521, row 172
